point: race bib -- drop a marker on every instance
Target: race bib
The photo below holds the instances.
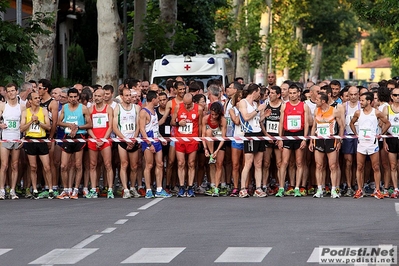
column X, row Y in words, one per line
column 366, row 134
column 323, row 129
column 167, row 129
column 272, row 126
column 128, row 127
column 100, row 120
column 12, row 124
column 294, row 122
column 394, row 130
column 187, row 129
column 34, row 128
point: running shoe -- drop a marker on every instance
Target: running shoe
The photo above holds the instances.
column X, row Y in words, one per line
column 63, row 195
column 349, row 192
column 280, row 192
column 85, row 192
column 182, row 193
column 303, row 191
column 200, row 190
column 297, row 193
column 385, row 193
column 13, row 195
column 190, row 193
column 235, row 192
column 215, row 192
column 162, row 194
column 18, row 190
column 134, row 192
column 142, row 192
column 223, row 191
column 378, row 194
column 395, row 194
column 311, row 190
column 391, row 190
column 368, row 190
column 126, row 194
column 43, row 194
column 51, row 195
column 149, row 194
column 104, row 192
column 290, row 191
column 334, row 194
column 92, row 194
column 358, row 194
column 209, row 192
column 272, row 190
column 28, row 194
column 212, row 160
column 110, row 194
column 318, row 194
column 75, row 194
column 35, row 195
column 8, row 193
column 259, row 193
column 55, row 193
column 243, row 193
column 2, row 195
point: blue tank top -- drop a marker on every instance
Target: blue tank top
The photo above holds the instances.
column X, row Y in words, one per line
column 75, row 117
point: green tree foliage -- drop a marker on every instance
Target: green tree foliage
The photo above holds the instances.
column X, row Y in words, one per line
column 383, row 15
column 288, row 51
column 78, row 68
column 194, row 28
column 16, row 50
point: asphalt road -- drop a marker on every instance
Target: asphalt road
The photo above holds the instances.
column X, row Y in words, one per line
column 189, row 231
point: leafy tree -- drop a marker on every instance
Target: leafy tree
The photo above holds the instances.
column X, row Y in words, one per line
column 16, row 51
column 383, row 15
column 78, row 68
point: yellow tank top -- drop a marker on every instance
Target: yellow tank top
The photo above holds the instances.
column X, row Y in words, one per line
column 325, row 122
column 35, row 131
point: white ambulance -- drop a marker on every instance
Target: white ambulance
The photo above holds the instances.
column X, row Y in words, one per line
column 197, row 67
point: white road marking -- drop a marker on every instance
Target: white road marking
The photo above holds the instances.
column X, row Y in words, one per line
column 244, row 254
column 4, row 250
column 121, row 221
column 151, row 203
column 132, row 214
column 64, row 256
column 397, row 208
column 154, row 255
column 108, row 230
column 86, row 241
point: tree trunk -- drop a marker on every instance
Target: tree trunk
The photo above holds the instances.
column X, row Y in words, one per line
column 220, row 39
column 317, row 51
column 44, row 48
column 109, row 39
column 135, row 61
column 242, row 65
column 264, row 33
column 168, row 17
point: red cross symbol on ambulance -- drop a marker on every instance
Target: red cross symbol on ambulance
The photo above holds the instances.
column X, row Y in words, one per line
column 187, row 67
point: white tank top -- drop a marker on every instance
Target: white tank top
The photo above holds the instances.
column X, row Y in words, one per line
column 312, row 106
column 349, row 111
column 368, row 126
column 12, row 118
column 252, row 125
column 238, row 130
column 127, row 121
column 230, row 123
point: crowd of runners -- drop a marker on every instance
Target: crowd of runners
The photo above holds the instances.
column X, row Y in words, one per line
column 324, row 139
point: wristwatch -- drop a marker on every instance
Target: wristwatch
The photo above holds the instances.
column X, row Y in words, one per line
column 257, row 110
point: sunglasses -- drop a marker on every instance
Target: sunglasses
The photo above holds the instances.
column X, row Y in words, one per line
column 395, row 95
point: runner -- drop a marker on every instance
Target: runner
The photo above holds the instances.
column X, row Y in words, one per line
column 215, row 125
column 125, row 125
column 75, row 118
column 149, row 128
column 34, row 123
column 11, row 112
column 101, row 116
column 251, row 115
column 294, row 121
column 324, row 125
column 188, row 117
column 368, row 118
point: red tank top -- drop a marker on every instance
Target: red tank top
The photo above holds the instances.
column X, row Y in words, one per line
column 100, row 121
column 213, row 126
column 294, row 117
column 191, row 129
